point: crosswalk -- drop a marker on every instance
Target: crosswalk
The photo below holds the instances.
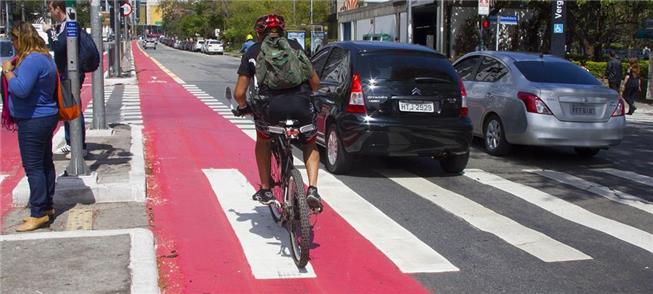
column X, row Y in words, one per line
column 640, row 117
column 412, row 255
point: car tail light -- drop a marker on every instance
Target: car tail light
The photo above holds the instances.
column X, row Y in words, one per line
column 463, row 95
column 356, row 101
column 533, row 103
column 620, row 110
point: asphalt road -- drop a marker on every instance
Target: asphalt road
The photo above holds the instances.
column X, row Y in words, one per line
column 570, row 214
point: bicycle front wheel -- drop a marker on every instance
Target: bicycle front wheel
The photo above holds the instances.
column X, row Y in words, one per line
column 299, row 227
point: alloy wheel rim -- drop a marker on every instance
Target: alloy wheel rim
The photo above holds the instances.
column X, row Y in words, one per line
column 332, row 148
column 492, row 135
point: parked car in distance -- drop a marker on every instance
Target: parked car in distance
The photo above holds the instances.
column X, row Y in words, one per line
column 149, row 43
column 198, row 45
column 213, row 47
column 543, row 100
column 390, row 99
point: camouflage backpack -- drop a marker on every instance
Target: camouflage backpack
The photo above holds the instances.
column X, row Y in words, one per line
column 279, row 66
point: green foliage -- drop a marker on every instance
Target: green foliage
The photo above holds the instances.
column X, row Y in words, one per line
column 235, row 18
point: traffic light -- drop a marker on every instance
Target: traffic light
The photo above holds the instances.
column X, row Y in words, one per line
column 485, row 23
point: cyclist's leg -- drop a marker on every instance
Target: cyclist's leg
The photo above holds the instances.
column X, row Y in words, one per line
column 263, row 160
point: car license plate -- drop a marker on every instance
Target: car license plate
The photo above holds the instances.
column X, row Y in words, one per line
column 580, row 109
column 416, row 106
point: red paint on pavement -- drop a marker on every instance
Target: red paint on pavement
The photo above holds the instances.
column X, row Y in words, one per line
column 10, row 163
column 197, row 249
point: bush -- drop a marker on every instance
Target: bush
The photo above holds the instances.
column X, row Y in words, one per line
column 598, row 70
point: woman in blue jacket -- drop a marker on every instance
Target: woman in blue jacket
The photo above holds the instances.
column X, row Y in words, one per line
column 31, row 84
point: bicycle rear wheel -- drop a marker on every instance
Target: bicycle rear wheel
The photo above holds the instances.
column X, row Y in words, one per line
column 277, row 187
column 298, row 226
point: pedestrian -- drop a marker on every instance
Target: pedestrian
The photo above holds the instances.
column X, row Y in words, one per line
column 632, row 85
column 31, row 79
column 645, row 52
column 248, row 43
column 613, row 72
column 57, row 9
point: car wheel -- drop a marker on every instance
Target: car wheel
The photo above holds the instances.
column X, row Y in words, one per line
column 337, row 159
column 455, row 163
column 587, row 152
column 494, row 137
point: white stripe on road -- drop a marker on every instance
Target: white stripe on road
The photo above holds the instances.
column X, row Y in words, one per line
column 628, row 175
column 2, row 178
column 565, row 209
column 409, row 253
column 526, row 239
column 265, row 243
column 613, row 195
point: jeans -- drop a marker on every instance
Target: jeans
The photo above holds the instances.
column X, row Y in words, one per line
column 35, row 144
column 66, row 127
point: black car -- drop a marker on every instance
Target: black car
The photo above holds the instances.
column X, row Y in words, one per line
column 390, row 99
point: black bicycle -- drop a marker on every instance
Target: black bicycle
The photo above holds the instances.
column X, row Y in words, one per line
column 290, row 208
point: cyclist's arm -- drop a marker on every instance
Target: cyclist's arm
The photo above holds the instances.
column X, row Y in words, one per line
column 314, row 81
column 241, row 90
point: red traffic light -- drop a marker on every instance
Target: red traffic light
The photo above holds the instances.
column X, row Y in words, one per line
column 485, row 23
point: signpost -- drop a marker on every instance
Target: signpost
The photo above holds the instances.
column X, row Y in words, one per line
column 77, row 166
column 558, row 20
column 484, row 7
column 509, row 20
column 99, row 121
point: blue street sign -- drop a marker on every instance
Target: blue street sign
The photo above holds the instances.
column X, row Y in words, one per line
column 71, row 29
column 508, row 20
column 558, row 28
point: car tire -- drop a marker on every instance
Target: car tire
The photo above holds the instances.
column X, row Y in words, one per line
column 455, row 163
column 586, row 152
column 494, row 137
column 338, row 161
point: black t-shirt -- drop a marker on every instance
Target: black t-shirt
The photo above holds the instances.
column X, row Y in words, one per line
column 249, row 70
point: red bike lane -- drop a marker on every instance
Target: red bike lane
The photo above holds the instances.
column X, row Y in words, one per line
column 197, row 249
column 10, row 163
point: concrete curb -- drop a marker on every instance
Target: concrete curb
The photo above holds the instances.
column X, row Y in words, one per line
column 142, row 258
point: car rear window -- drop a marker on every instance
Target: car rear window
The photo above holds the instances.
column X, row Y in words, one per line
column 409, row 67
column 214, row 42
column 555, row 72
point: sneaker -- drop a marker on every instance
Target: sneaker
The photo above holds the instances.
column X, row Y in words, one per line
column 84, row 153
column 64, row 149
column 264, row 196
column 313, row 198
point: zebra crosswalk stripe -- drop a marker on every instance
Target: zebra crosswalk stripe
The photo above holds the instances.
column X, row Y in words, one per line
column 566, row 210
column 613, row 195
column 532, row 242
column 628, row 175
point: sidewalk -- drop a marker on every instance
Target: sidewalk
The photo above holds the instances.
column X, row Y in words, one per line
column 99, row 240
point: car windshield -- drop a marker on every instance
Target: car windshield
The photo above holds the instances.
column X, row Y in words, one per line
column 409, row 67
column 555, row 73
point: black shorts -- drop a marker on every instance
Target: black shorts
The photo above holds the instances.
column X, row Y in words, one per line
column 284, row 107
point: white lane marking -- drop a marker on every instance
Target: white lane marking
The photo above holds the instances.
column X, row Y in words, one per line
column 628, row 175
column 613, row 195
column 2, row 178
column 142, row 258
column 266, row 244
column 524, row 238
column 409, row 253
column 566, row 210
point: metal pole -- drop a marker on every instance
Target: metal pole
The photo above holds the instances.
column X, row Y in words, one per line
column 116, row 34
column 77, row 166
column 311, row 11
column 440, row 32
column 480, row 47
column 496, row 45
column 410, row 21
column 99, row 121
column 649, row 92
column 22, row 11
column 10, row 20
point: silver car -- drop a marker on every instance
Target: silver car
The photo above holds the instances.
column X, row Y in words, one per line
column 533, row 99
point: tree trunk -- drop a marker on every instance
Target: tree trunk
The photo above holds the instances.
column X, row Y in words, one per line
column 649, row 91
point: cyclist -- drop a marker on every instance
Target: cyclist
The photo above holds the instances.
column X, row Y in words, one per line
column 293, row 103
column 248, row 43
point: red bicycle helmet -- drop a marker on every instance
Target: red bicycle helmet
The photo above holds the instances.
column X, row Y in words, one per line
column 268, row 22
